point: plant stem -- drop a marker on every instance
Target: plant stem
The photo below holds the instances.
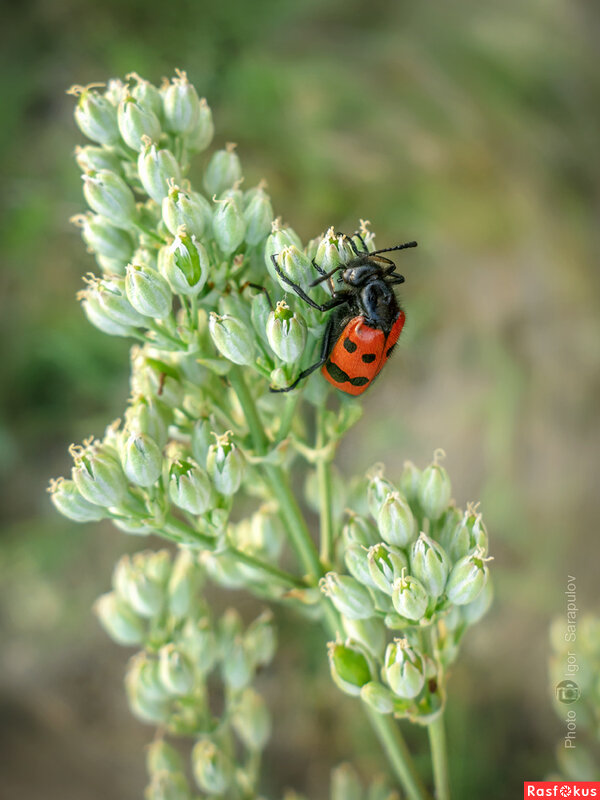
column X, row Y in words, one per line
column 439, row 758
column 325, row 499
column 398, row 754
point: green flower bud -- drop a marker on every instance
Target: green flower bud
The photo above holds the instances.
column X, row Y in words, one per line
column 404, row 669
column 466, row 534
column 225, row 465
column 98, row 475
column 409, row 481
column 429, row 564
column 190, row 487
column 410, row 597
column 142, row 460
column 148, row 292
column 260, row 310
column 184, row 264
column 203, row 131
column 434, row 488
column 467, row 579
column 258, row 214
column 349, row 667
column 186, row 208
column 162, row 757
column 453, row 536
column 232, row 338
column 112, row 299
column 103, row 238
column 183, row 584
column 67, row 498
column 181, row 105
column 279, row 239
column 96, row 116
column 148, row 415
column 332, row 251
column 396, row 522
column 108, row 195
column 385, row 565
column 175, row 671
column 167, row 786
column 350, row 597
column 286, row 333
column 371, row 633
column 157, row 170
column 345, row 784
column 115, row 91
column 355, row 556
column 137, row 121
column 146, row 695
column 212, row 769
column 260, row 641
column 121, row 623
column 237, row 667
column 229, row 226
column 378, row 697
column 93, row 159
column 201, row 440
column 223, row 171
column 200, row 643
column 377, row 492
column 146, row 94
column 97, row 315
column 472, row 612
column 135, row 583
column 250, row 720
column 295, row 265
column 359, row 530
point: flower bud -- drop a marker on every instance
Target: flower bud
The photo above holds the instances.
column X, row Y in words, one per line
column 409, row 481
column 157, row 169
column 467, row 578
column 223, row 170
column 260, row 310
column 167, row 786
column 472, row 612
column 175, row 671
column 396, row 522
column 229, row 225
column 108, row 195
column 186, row 208
column 355, row 556
column 465, row 535
column 148, row 292
column 96, row 314
column 377, row 492
column 67, row 498
column 350, row 597
column 385, row 565
column 137, row 121
column 184, row 264
column 148, row 415
column 371, row 633
column 349, row 667
column 121, row 623
column 96, row 116
column 250, row 720
column 258, row 214
column 295, row 265
column 233, row 339
column 203, row 131
column 212, row 769
column 147, row 697
column 190, row 487
column 135, row 581
column 286, row 333
column 113, row 301
column 225, row 465
column 434, row 489
column 146, row 94
column 98, row 475
column 104, row 239
column 332, row 251
column 404, row 669
column 345, row 784
column 142, row 460
column 361, row 531
column 162, row 757
column 201, row 440
column 237, row 667
column 200, row 643
column 183, row 583
column 93, row 159
column 429, row 564
column 378, row 697
column 260, row 641
column 181, row 105
column 410, row 597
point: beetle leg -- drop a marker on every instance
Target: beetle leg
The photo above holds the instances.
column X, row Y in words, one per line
column 335, row 301
column 260, row 288
column 325, row 350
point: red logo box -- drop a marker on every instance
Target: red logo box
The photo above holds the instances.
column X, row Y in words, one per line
column 561, row 789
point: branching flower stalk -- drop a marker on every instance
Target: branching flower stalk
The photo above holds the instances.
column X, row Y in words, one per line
column 398, row 574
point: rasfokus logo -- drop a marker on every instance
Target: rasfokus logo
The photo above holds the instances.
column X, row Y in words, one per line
column 562, row 789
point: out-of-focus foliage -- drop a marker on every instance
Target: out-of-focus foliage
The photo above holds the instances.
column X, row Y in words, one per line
column 470, row 127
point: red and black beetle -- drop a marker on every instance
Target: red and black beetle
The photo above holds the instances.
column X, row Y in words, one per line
column 362, row 332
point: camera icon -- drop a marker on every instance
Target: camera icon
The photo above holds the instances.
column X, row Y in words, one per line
column 567, row 692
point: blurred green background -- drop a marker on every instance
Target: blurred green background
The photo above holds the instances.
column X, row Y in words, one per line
column 471, row 127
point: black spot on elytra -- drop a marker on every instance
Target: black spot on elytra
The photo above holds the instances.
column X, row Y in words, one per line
column 390, row 351
column 360, row 381
column 339, row 376
column 349, row 345
column 368, row 358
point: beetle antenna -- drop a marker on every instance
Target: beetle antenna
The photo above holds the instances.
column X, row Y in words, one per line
column 397, row 247
column 327, row 275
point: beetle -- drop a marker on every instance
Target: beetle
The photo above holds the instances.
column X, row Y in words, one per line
column 367, row 322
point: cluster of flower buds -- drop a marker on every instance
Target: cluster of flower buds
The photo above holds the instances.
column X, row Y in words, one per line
column 418, row 577
column 346, row 785
column 574, row 669
column 156, row 604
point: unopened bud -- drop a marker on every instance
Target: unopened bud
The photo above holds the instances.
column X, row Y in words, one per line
column 183, row 583
column 212, row 769
column 108, row 195
column 167, row 786
column 409, row 481
column 349, row 667
column 258, row 214
column 186, row 208
column 279, row 239
column 162, row 757
column 201, row 440
column 250, row 720
column 385, row 565
column 355, row 556
column 72, row 504
column 175, row 671
column 286, row 333
column 260, row 640
column 121, row 623
column 190, row 487
column 404, row 669
column 360, row 530
column 105, row 239
column 137, row 121
column 378, row 697
column 157, row 170
column 229, row 225
column 377, row 492
column 295, row 265
column 98, row 475
column 142, row 460
column 225, row 465
column 96, row 117
column 233, row 339
column 434, row 488
column 145, row 692
column 429, row 563
column 203, row 131
column 184, row 264
column 146, row 94
column 148, row 292
column 396, row 522
column 472, row 612
column 350, row 597
column 371, row 633
column 93, row 159
column 410, row 597
column 148, row 415
column 135, row 582
column 223, row 170
column 181, row 105
column 467, row 579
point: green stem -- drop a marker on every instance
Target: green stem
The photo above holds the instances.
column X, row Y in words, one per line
column 398, row 754
column 324, row 482
column 439, row 758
